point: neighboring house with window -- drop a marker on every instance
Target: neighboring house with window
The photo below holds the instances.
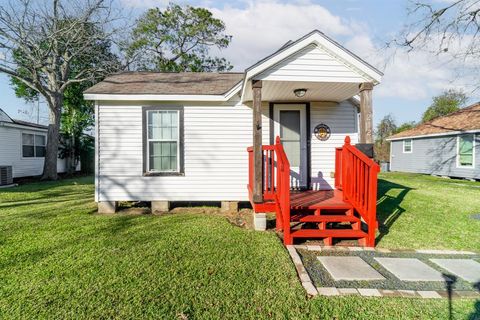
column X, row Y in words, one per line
column 22, row 146
column 445, row 146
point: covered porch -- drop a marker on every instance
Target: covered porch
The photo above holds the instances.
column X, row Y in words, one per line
column 314, row 69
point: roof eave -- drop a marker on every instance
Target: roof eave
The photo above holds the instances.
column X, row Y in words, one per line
column 440, row 134
column 163, row 97
column 22, row 126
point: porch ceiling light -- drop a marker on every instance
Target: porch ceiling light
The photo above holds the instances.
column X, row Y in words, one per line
column 300, row 92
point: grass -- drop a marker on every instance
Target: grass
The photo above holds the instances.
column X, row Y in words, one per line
column 60, row 260
column 418, row 212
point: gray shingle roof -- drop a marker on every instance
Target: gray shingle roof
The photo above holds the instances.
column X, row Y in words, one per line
column 182, row 83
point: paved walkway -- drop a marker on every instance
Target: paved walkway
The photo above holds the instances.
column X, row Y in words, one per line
column 334, row 271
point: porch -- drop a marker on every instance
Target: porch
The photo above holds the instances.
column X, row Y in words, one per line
column 346, row 212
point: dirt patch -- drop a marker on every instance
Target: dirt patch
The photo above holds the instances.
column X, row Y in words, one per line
column 242, row 218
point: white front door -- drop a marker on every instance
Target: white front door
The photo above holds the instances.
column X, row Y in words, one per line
column 290, row 125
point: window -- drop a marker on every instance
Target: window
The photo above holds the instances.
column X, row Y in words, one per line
column 407, row 146
column 33, row 145
column 163, row 145
column 465, row 148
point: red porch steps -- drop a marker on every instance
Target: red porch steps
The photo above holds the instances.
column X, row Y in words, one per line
column 332, row 233
column 327, row 215
column 329, row 219
column 323, row 209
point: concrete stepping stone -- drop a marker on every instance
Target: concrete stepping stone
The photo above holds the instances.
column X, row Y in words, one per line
column 466, row 269
column 349, row 268
column 369, row 292
column 429, row 294
column 410, row 269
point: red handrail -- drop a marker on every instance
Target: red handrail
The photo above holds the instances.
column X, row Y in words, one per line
column 276, row 181
column 356, row 175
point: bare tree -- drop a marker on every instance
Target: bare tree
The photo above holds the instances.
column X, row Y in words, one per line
column 447, row 28
column 40, row 40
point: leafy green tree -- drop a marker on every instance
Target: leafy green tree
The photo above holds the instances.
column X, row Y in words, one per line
column 178, row 39
column 449, row 101
column 385, row 128
column 405, row 126
column 39, row 43
column 77, row 114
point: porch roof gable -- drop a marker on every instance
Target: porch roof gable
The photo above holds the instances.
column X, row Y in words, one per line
column 292, row 62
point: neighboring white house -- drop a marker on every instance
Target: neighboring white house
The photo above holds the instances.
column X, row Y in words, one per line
column 184, row 136
column 22, row 146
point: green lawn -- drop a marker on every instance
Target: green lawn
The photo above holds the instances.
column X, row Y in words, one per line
column 419, row 211
column 59, row 260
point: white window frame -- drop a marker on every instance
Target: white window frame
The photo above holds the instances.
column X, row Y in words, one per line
column 473, row 152
column 411, row 146
column 148, row 140
column 34, row 144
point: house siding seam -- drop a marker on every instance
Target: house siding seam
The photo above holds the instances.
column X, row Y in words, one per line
column 433, row 155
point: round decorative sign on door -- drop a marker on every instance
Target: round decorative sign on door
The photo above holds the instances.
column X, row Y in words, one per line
column 322, row 132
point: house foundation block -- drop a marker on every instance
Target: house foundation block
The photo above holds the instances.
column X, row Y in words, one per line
column 107, row 206
column 229, row 206
column 160, row 206
column 260, row 221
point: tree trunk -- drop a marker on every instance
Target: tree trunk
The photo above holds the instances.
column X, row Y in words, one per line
column 53, row 135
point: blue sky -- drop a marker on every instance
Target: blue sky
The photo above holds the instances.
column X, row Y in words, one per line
column 363, row 26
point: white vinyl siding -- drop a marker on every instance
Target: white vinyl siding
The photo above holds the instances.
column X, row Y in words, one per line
column 216, row 138
column 11, row 153
column 342, row 120
column 215, row 155
column 312, row 63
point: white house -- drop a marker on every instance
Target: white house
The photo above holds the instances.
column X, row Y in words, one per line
column 22, row 147
column 165, row 137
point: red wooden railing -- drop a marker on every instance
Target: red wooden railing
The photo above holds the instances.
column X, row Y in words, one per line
column 356, row 175
column 276, row 181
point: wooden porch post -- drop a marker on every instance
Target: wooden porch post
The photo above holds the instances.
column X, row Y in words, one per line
column 366, row 121
column 257, row 141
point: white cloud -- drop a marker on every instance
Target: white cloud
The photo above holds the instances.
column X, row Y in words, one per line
column 261, row 27
column 144, row 3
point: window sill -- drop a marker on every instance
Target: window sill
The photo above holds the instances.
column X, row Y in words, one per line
column 164, row 174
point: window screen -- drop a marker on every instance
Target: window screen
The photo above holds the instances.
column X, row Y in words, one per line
column 290, row 135
column 465, row 150
column 163, row 140
column 33, row 145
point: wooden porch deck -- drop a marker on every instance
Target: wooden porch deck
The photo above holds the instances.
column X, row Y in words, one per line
column 318, row 199
column 309, row 200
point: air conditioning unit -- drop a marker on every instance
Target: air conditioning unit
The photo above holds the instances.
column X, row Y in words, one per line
column 6, row 176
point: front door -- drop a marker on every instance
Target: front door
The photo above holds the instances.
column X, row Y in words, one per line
column 290, row 125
